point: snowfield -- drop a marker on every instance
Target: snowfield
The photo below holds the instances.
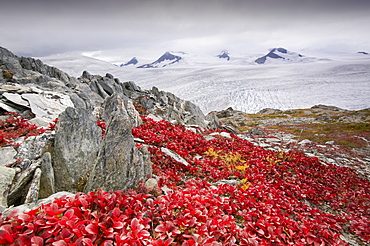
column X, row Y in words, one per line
column 216, row 84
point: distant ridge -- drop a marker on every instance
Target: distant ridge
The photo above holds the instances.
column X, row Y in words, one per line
column 224, row 55
column 133, row 61
column 166, row 59
column 280, row 54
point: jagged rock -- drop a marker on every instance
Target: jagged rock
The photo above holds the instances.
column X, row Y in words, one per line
column 257, row 131
column 133, row 114
column 162, row 104
column 34, row 147
column 223, row 134
column 228, row 182
column 29, row 70
column 175, row 109
column 52, row 72
column 304, row 141
column 33, row 191
column 175, row 156
column 16, row 98
column 213, row 121
column 270, row 111
column 48, row 104
column 119, row 165
column 9, row 108
column 40, row 122
column 96, row 87
column 47, row 180
column 7, row 155
column 151, row 184
column 76, row 145
column 88, row 97
column 6, row 178
column 19, row 188
column 230, row 129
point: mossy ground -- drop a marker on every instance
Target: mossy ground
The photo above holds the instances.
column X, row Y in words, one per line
column 320, row 124
column 352, row 135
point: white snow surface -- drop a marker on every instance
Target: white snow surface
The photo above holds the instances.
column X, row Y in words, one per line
column 216, row 84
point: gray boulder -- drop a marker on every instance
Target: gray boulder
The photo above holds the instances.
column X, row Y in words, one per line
column 7, row 156
column 47, row 180
column 76, row 145
column 33, row 191
column 21, row 182
column 6, row 178
column 34, row 147
column 119, row 165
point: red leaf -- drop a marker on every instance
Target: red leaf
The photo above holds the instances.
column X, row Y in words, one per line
column 136, row 226
column 83, row 202
column 107, row 243
column 88, row 241
column 69, row 213
column 5, row 237
column 118, row 225
column 60, row 243
column 116, row 212
column 39, row 241
column 92, row 229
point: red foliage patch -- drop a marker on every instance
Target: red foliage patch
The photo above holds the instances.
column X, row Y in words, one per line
column 16, row 126
column 277, row 207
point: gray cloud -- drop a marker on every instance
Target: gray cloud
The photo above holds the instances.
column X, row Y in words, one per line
column 41, row 27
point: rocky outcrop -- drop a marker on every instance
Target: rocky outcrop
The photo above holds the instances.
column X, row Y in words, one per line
column 160, row 103
column 119, row 165
column 47, row 179
column 6, row 179
column 7, row 155
column 75, row 157
column 76, row 146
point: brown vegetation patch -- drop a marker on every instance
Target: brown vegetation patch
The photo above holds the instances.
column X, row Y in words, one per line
column 352, row 135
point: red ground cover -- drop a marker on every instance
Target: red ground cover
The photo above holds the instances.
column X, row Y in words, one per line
column 276, row 202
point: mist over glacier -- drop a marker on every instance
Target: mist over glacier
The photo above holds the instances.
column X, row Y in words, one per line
column 216, row 84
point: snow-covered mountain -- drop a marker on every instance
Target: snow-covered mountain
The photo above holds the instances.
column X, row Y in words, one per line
column 224, row 54
column 133, row 61
column 216, row 84
column 166, row 59
column 281, row 55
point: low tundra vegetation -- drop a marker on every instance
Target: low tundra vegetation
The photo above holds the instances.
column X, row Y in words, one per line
column 16, row 126
column 274, row 200
column 350, row 135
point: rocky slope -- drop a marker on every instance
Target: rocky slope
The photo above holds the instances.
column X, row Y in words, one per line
column 333, row 134
column 74, row 157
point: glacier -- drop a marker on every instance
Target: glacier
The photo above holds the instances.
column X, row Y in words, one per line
column 215, row 84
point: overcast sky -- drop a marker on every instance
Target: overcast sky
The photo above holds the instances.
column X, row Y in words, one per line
column 138, row 27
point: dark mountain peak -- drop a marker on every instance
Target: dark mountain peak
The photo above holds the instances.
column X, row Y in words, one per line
column 278, row 53
column 363, row 52
column 168, row 58
column 224, row 54
column 133, row 61
column 281, row 50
